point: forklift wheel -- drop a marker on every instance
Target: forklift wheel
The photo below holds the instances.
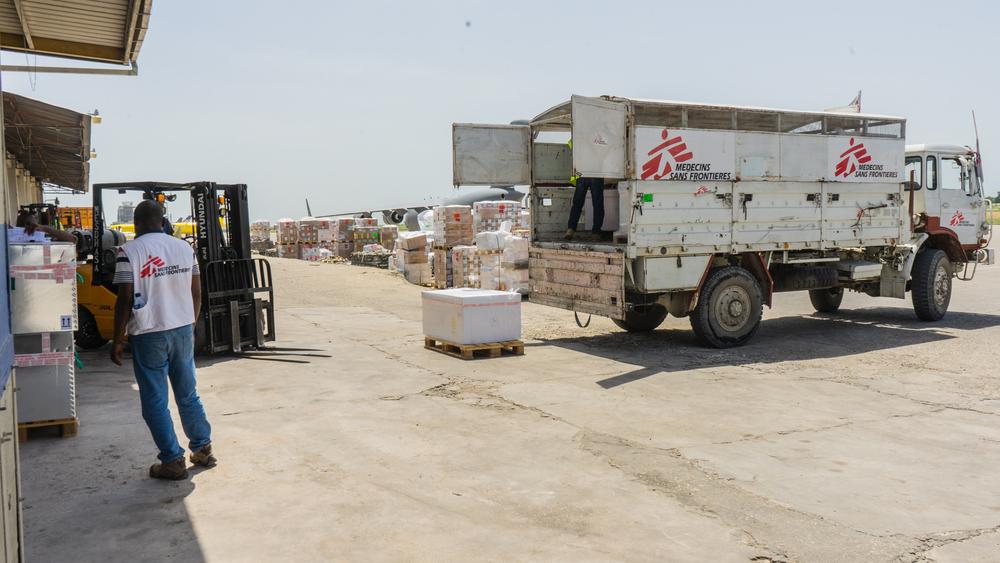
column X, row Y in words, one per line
column 88, row 336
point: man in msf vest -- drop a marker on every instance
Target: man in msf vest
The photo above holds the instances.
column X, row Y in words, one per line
column 159, row 298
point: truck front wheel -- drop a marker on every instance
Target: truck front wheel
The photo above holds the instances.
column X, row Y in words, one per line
column 729, row 309
column 826, row 300
column 642, row 320
column 931, row 284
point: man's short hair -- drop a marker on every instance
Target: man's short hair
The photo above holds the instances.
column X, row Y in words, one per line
column 148, row 214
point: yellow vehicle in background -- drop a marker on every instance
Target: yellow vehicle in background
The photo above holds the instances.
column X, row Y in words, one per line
column 76, row 217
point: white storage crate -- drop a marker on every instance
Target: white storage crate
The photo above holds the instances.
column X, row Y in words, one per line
column 472, row 316
column 43, row 287
column 46, row 392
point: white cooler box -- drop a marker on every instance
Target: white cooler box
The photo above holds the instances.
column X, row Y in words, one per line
column 472, row 316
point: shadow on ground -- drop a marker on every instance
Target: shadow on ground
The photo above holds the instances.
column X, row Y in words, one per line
column 803, row 337
column 89, row 496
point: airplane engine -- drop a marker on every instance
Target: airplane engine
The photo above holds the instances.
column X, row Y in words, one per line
column 394, row 216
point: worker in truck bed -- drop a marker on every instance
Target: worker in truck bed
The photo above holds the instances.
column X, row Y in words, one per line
column 159, row 298
column 581, row 186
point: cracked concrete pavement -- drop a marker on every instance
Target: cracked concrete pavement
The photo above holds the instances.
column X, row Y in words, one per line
column 866, row 436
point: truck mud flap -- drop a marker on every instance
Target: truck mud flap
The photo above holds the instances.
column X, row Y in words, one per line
column 578, row 280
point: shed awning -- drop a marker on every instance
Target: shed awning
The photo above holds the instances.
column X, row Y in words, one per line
column 108, row 31
column 53, row 143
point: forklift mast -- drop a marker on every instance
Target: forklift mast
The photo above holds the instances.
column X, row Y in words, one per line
column 237, row 295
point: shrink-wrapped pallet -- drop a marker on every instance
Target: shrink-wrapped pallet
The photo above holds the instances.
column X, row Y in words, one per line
column 442, row 268
column 366, row 222
column 308, row 230
column 343, row 249
column 260, row 231
column 288, row 231
column 313, row 252
column 452, row 225
column 343, row 229
column 288, row 250
column 490, row 215
column 465, row 266
column 387, row 236
column 365, row 235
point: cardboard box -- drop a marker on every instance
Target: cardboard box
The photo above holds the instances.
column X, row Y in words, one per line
column 415, row 240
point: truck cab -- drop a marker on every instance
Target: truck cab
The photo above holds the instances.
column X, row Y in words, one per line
column 948, row 201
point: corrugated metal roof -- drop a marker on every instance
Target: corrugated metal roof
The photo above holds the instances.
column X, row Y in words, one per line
column 108, row 31
column 53, row 143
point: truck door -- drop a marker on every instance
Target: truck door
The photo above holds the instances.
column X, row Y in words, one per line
column 599, row 128
column 959, row 198
column 487, row 155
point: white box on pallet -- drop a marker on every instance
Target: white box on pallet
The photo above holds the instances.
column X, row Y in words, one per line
column 472, row 316
column 46, row 392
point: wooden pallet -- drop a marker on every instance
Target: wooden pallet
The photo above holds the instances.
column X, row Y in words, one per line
column 67, row 427
column 470, row 351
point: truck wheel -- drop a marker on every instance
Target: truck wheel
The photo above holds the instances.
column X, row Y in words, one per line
column 644, row 320
column 931, row 284
column 87, row 336
column 826, row 300
column 729, row 308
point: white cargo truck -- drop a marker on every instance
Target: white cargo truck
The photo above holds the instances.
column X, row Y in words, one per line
column 720, row 207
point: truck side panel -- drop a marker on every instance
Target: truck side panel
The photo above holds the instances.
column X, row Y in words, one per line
column 683, row 217
column 771, row 214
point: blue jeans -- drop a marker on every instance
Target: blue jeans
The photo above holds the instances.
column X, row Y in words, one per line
column 157, row 357
column 596, row 188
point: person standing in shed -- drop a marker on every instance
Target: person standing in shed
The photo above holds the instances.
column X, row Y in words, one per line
column 159, row 299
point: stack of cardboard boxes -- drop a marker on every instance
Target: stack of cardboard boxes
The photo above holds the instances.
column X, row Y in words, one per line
column 288, row 238
column 315, row 238
column 343, row 236
column 411, row 257
column 452, row 227
column 490, row 215
column 364, row 236
column 387, row 236
column 465, row 266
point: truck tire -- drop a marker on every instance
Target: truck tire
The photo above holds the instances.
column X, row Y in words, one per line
column 931, row 284
column 87, row 336
column 644, row 320
column 729, row 309
column 826, row 300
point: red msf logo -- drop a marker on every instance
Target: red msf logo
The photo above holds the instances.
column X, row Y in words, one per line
column 851, row 158
column 657, row 166
column 153, row 263
column 957, row 219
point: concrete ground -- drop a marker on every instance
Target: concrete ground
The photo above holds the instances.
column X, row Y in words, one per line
column 866, row 436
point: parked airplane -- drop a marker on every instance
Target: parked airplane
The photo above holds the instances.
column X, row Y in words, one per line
column 408, row 215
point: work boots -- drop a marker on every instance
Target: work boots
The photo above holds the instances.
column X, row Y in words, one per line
column 204, row 457
column 171, row 471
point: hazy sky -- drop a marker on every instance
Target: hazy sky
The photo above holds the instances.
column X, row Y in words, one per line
column 351, row 103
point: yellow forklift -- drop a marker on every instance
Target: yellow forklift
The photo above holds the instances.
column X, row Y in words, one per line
column 238, row 297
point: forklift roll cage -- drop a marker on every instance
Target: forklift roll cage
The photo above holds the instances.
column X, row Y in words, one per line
column 234, row 314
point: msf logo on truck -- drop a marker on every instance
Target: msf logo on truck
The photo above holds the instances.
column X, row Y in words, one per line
column 658, row 166
column 850, row 159
column 856, row 162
